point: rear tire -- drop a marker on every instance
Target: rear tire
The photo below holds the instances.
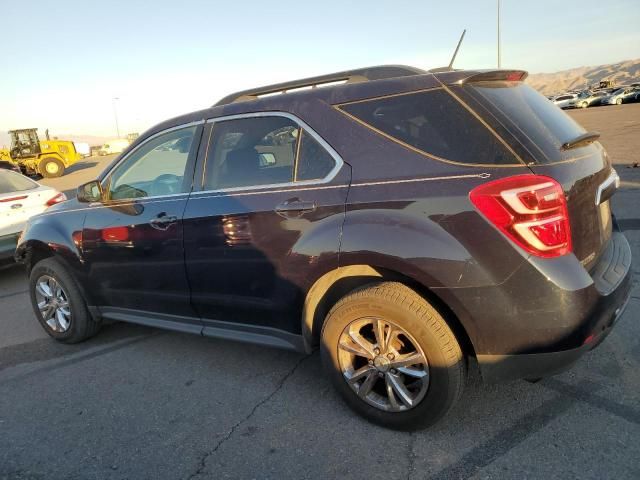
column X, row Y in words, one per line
column 51, row 167
column 51, row 286
column 411, row 327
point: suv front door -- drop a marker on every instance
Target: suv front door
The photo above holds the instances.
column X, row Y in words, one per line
column 266, row 223
column 133, row 239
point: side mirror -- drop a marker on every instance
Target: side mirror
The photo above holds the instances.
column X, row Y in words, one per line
column 90, row 192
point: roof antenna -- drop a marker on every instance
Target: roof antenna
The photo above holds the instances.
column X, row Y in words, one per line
column 457, row 48
column 449, row 67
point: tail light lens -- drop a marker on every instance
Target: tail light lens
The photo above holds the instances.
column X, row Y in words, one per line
column 531, row 210
column 60, row 197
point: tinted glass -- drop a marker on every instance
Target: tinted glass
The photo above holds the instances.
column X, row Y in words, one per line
column 314, row 162
column 528, row 112
column 14, row 182
column 250, row 152
column 156, row 168
column 435, row 123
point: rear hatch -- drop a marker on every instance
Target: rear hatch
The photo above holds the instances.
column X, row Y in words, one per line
column 552, row 144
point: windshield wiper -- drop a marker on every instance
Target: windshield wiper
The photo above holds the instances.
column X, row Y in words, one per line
column 581, row 140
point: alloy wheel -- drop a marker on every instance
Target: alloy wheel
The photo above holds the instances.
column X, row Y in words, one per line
column 383, row 364
column 53, row 303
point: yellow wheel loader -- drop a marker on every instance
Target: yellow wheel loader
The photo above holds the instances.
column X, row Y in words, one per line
column 49, row 158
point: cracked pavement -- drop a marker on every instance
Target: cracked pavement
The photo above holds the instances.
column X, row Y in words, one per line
column 139, row 403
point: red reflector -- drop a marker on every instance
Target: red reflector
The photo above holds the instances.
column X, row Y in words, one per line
column 115, row 234
column 13, row 199
column 531, row 210
column 589, row 339
column 59, row 197
column 77, row 238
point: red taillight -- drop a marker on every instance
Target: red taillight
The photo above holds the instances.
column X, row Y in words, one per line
column 60, row 197
column 529, row 209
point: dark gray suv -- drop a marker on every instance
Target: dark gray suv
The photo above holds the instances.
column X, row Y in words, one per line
column 403, row 221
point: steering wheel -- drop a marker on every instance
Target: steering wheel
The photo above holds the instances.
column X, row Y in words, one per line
column 166, row 184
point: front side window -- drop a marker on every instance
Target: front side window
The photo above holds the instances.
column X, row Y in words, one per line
column 156, row 168
column 435, row 123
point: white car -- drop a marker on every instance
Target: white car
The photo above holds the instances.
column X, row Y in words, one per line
column 20, row 199
column 113, row 146
column 568, row 100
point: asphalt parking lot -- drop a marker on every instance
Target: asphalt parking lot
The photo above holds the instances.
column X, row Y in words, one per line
column 136, row 403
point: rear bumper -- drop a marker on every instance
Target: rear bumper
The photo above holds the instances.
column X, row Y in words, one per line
column 535, row 365
column 547, row 314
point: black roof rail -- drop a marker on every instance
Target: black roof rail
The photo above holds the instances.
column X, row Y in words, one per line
column 349, row 76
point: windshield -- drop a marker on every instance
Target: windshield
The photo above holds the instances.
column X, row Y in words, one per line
column 14, row 182
column 529, row 116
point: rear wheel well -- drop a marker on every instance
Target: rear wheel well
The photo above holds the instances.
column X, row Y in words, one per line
column 328, row 290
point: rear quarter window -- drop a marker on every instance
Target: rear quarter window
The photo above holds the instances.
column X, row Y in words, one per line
column 528, row 115
column 14, row 182
column 434, row 123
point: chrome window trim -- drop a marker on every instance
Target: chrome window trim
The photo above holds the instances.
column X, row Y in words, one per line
column 328, row 178
column 108, row 173
column 611, row 179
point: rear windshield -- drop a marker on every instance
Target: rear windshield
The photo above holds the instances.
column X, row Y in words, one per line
column 14, row 182
column 530, row 116
column 435, row 123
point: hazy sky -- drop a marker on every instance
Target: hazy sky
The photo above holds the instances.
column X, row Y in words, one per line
column 62, row 66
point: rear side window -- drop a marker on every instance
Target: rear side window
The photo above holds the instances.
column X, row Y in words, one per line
column 263, row 151
column 314, row 162
column 436, row 124
column 529, row 116
column 14, row 182
column 252, row 152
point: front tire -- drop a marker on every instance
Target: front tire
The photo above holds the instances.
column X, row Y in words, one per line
column 59, row 304
column 618, row 101
column 584, row 105
column 392, row 356
column 51, row 167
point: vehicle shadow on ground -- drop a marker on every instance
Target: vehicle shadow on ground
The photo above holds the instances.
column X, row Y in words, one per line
column 81, row 165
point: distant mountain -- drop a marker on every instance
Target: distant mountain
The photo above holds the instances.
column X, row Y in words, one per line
column 622, row 73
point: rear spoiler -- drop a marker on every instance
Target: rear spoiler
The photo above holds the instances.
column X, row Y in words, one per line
column 462, row 77
column 496, row 76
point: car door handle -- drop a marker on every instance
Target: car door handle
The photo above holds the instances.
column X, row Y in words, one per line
column 163, row 221
column 295, row 208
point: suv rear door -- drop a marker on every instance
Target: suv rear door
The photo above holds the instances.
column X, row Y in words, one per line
column 265, row 223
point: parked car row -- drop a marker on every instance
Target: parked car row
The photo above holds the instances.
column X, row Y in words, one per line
column 592, row 98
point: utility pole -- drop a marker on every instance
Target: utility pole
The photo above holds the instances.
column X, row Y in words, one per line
column 499, row 52
column 115, row 114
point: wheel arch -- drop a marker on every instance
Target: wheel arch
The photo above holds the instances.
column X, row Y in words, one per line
column 333, row 285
